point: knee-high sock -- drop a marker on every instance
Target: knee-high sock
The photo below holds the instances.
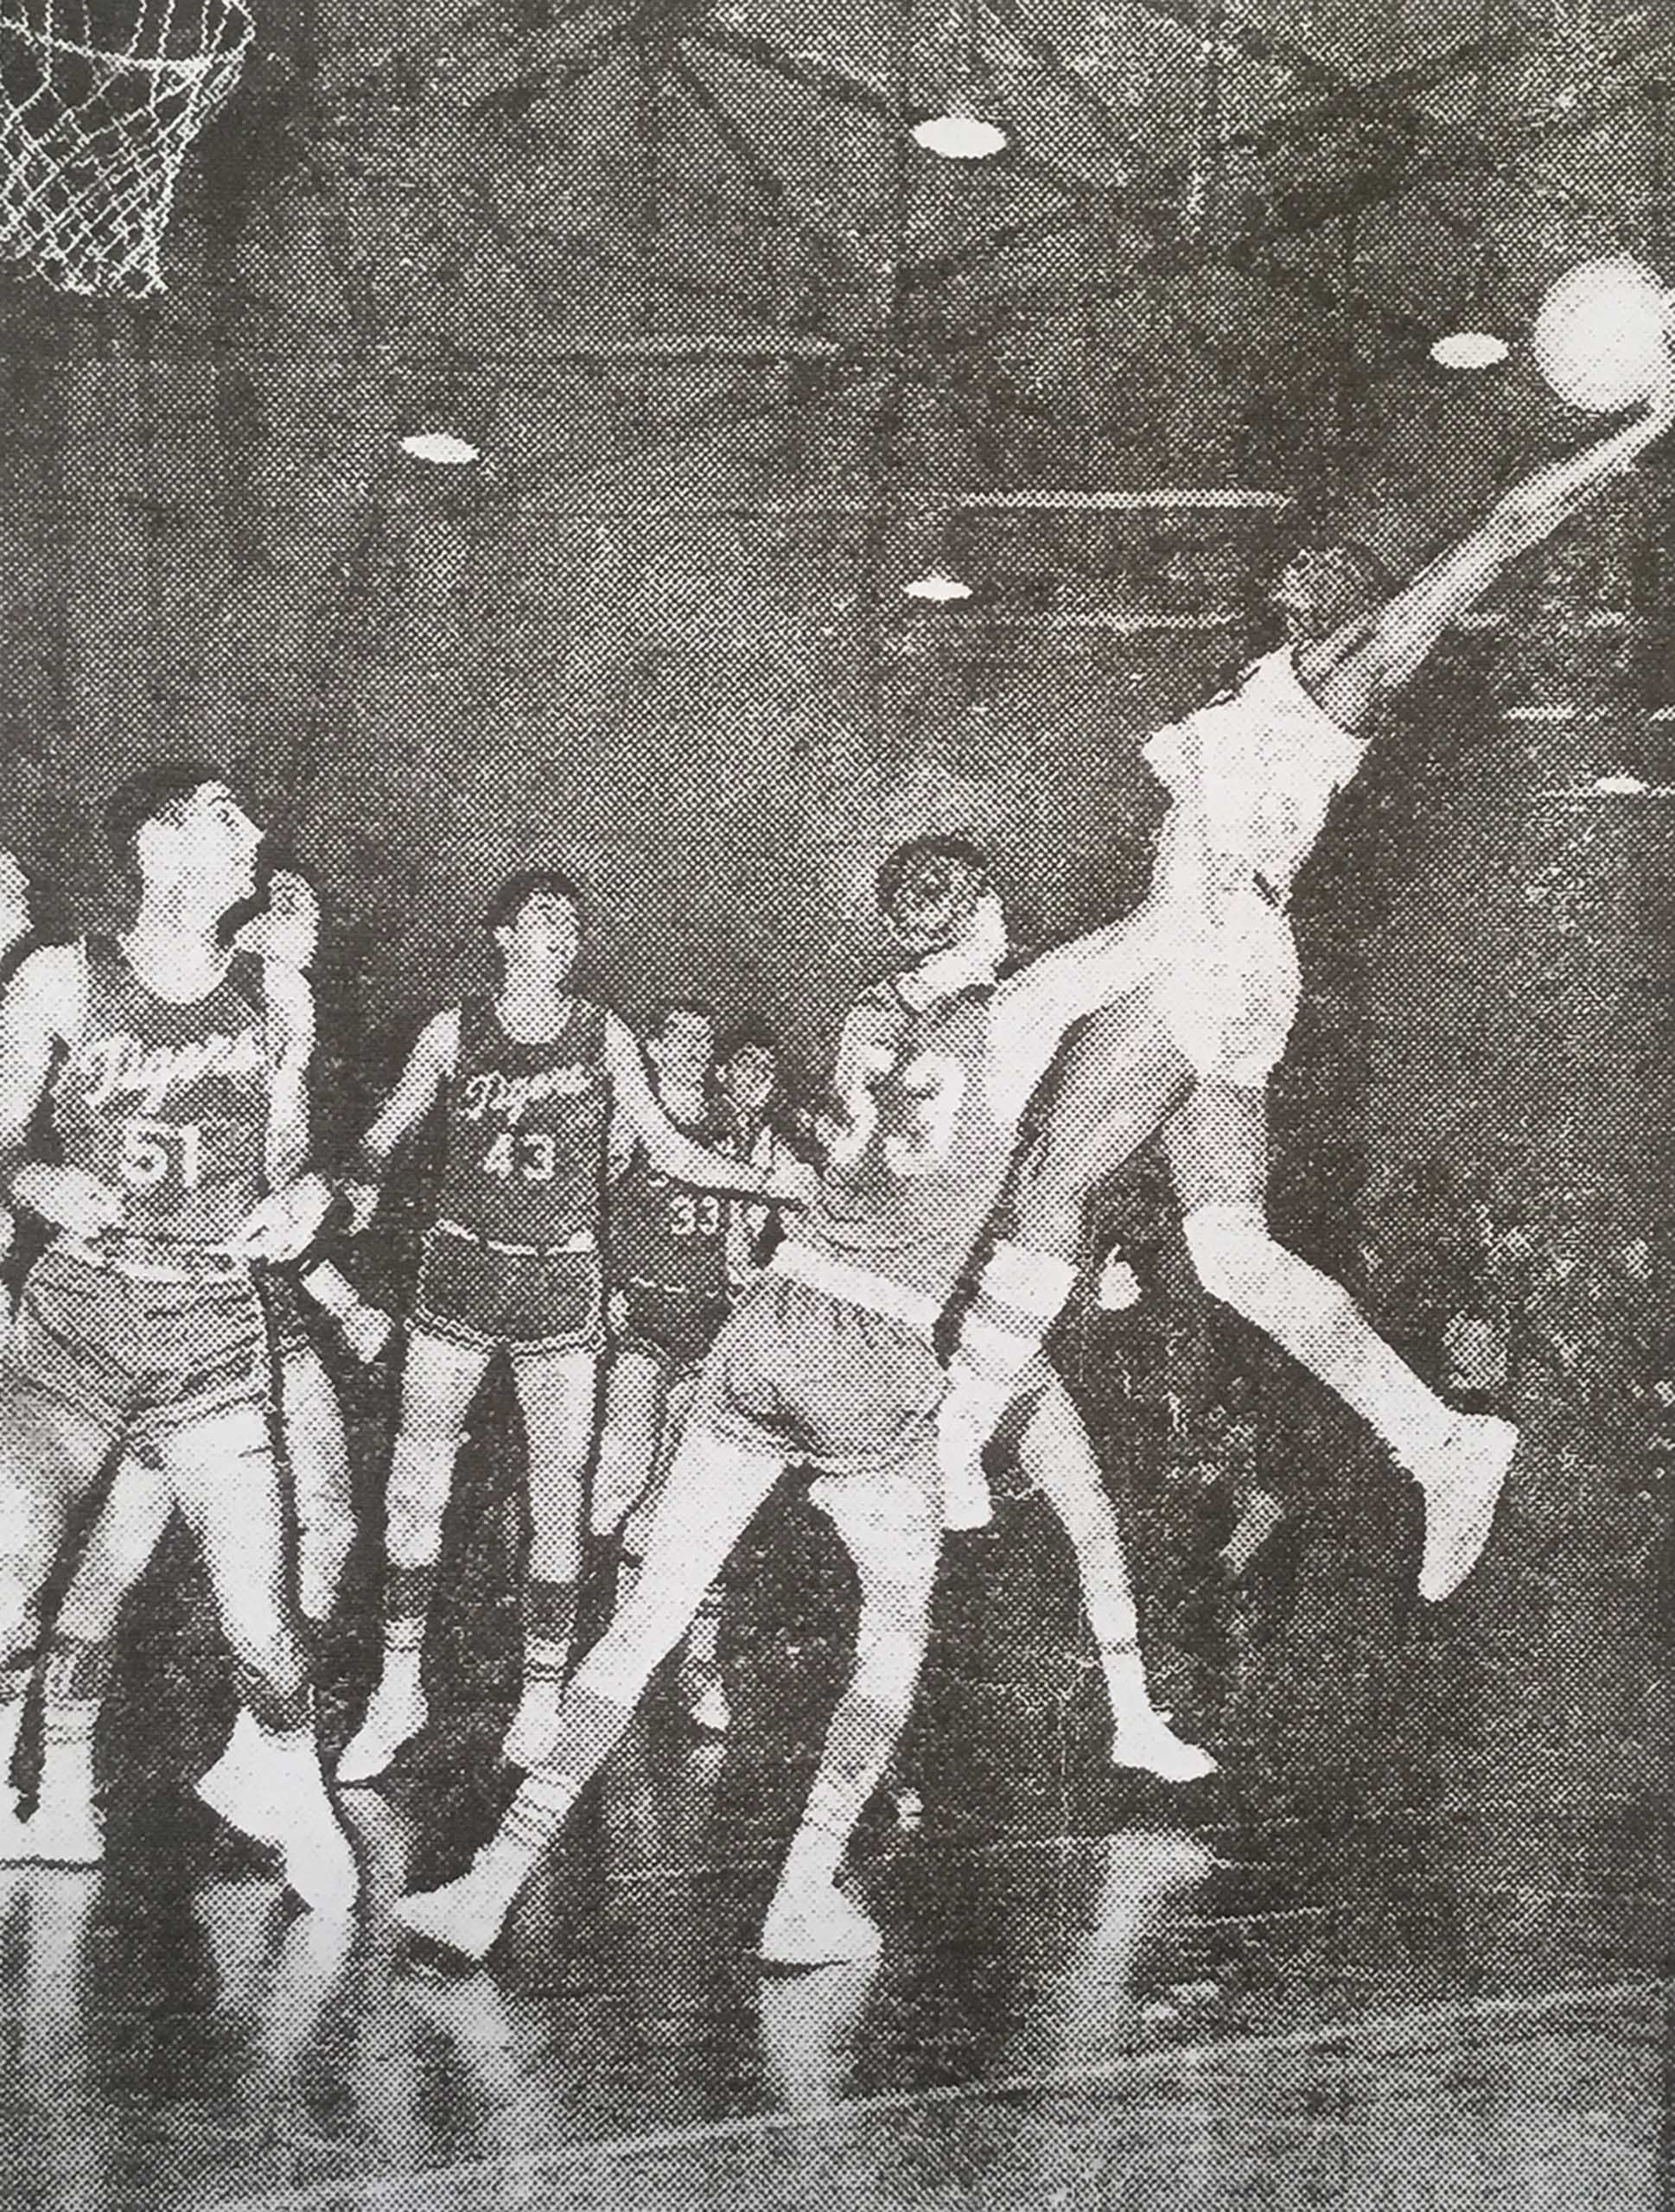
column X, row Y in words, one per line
column 1020, row 1294
column 1311, row 1317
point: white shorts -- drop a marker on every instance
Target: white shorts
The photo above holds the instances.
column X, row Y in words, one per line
column 1230, row 992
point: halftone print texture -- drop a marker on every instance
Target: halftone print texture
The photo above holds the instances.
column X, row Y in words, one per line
column 796, row 489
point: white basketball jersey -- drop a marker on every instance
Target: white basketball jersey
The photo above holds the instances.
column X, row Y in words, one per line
column 1252, row 774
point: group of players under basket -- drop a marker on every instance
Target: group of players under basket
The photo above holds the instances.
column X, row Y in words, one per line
column 897, row 1326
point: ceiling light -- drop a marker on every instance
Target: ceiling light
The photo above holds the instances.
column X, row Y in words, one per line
column 1469, row 349
column 440, row 448
column 1620, row 785
column 941, row 589
column 959, row 136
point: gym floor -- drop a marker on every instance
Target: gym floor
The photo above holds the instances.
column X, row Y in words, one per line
column 1411, row 1948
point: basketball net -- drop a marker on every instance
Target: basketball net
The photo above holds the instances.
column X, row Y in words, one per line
column 99, row 100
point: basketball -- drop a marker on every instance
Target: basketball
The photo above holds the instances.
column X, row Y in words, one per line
column 1601, row 335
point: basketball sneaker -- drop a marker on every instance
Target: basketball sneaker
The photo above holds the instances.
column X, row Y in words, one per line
column 1460, row 1493
column 1146, row 1740
column 812, row 1924
column 466, row 1915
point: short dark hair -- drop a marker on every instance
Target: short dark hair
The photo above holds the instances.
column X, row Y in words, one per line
column 515, row 893
column 666, row 1010
column 929, row 887
column 750, row 1035
column 153, row 794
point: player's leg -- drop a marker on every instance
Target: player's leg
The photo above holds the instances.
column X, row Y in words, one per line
column 311, row 1421
column 64, row 1393
column 631, row 1423
column 268, row 1784
column 439, row 1382
column 891, row 1528
column 1218, row 1153
column 66, row 1828
column 1058, row 1459
column 702, row 1692
column 1121, row 1079
column 558, row 1396
column 716, row 1486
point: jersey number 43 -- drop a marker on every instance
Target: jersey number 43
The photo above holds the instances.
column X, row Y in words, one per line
column 917, row 1135
column 527, row 1155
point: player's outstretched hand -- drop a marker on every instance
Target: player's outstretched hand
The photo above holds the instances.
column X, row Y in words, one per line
column 793, row 1183
column 286, row 1222
column 70, row 1200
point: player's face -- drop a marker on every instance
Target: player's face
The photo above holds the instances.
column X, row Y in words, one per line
column 685, row 1051
column 747, row 1082
column 544, row 934
column 211, row 845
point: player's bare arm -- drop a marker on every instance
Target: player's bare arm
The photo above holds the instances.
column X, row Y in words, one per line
column 417, row 1089
column 286, row 1220
column 39, row 1014
column 638, row 1114
column 1353, row 671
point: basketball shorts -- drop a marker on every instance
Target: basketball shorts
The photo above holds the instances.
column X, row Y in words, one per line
column 1230, row 994
column 526, row 1303
column 673, row 1328
column 130, row 1357
column 803, row 1374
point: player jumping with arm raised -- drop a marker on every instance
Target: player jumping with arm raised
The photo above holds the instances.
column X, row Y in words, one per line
column 1251, row 777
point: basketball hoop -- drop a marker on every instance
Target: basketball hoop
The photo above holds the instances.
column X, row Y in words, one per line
column 99, row 100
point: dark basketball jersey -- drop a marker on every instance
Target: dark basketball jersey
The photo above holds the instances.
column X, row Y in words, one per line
column 909, row 1182
column 667, row 1235
column 527, row 1129
column 170, row 1104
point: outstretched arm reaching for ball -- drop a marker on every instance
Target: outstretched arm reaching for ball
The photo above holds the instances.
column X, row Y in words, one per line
column 1353, row 671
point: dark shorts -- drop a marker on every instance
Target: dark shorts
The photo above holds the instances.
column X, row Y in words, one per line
column 811, row 1378
column 673, row 1328
column 130, row 1357
column 524, row 1303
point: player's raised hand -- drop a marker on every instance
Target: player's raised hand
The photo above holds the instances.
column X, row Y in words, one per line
column 285, row 1224
column 70, row 1198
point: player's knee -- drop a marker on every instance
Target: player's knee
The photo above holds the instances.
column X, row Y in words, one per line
column 1229, row 1247
column 421, row 1473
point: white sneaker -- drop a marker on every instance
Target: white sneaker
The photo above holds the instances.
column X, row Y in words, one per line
column 67, row 1829
column 814, row 1924
column 1460, row 1493
column 1147, row 1741
column 270, row 1788
column 467, row 1914
column 397, row 1714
